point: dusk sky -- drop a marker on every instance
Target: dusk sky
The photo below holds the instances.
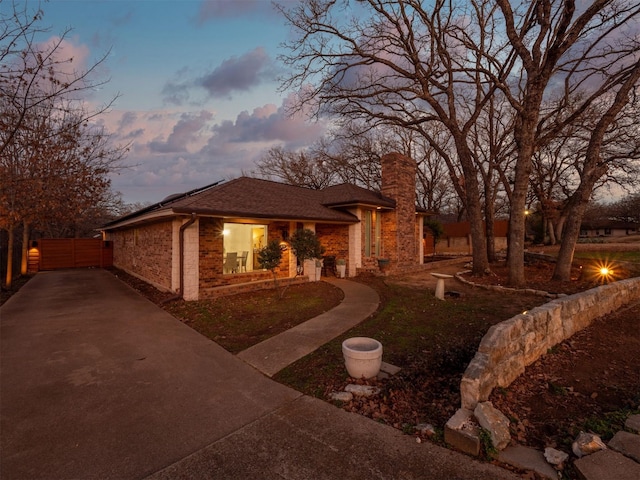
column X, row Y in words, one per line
column 198, row 86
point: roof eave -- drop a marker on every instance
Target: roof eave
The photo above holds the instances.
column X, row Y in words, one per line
column 360, row 204
column 139, row 219
column 239, row 214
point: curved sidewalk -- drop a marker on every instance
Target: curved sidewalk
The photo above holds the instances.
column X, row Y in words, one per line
column 274, row 354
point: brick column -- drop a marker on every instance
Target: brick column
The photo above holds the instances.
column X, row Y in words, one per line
column 399, row 242
column 191, row 262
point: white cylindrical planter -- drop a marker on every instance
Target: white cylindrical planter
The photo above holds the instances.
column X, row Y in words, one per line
column 362, row 356
column 342, row 270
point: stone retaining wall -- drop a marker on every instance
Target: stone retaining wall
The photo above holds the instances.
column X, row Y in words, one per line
column 508, row 347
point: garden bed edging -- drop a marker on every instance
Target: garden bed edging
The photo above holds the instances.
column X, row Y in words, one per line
column 510, row 346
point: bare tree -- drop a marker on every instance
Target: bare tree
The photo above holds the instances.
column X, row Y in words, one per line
column 54, row 174
column 626, row 209
column 32, row 73
column 354, row 149
column 577, row 51
column 435, row 190
column 558, row 165
column 594, row 167
column 301, row 168
column 407, row 64
column 493, row 148
column 551, row 179
column 54, row 162
column 351, row 154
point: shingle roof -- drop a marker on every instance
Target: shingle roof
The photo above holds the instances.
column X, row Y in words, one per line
column 256, row 198
column 247, row 197
column 348, row 194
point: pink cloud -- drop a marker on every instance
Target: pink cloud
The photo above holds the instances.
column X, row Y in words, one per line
column 269, row 124
column 185, row 132
column 239, row 74
column 175, row 152
column 235, row 74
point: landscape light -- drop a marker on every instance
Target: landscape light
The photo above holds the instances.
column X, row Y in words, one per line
column 604, row 270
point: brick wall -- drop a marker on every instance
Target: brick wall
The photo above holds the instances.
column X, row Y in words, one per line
column 210, row 252
column 399, row 241
column 145, row 251
column 287, row 265
column 334, row 239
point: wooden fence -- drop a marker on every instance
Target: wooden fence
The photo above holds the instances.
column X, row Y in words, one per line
column 56, row 253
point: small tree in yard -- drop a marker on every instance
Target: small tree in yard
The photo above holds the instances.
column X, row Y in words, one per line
column 270, row 257
column 436, row 229
column 305, row 246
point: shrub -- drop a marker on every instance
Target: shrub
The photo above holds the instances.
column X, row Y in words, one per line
column 305, row 245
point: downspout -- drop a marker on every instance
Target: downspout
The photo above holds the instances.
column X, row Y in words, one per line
column 183, row 227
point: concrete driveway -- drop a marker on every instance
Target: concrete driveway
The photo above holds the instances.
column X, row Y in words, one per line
column 98, row 382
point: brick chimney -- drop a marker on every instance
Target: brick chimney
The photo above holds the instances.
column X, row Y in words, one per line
column 399, row 227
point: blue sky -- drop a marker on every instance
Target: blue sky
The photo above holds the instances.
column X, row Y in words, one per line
column 197, row 84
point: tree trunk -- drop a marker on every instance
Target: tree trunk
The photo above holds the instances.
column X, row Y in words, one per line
column 478, row 241
column 25, row 248
column 524, row 138
column 575, row 209
column 560, row 227
column 9, row 276
column 491, row 242
column 473, row 207
column 515, row 252
column 570, row 235
column 552, row 233
column 489, row 218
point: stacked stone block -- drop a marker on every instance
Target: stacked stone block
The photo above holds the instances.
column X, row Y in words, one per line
column 510, row 346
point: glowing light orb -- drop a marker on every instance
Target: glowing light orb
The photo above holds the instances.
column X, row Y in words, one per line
column 604, row 270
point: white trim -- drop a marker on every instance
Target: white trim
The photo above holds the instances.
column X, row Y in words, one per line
column 175, row 253
column 158, row 214
column 355, row 243
column 191, row 252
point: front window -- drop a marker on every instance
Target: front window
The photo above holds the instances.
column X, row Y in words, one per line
column 242, row 242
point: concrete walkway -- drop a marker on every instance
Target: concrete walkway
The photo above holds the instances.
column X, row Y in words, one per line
column 97, row 382
column 282, row 350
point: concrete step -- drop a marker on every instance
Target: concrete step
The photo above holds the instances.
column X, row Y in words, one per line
column 620, row 461
column 607, row 465
column 527, row 458
column 627, row 444
column 633, row 423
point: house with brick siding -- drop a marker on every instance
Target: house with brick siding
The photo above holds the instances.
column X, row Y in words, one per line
column 205, row 243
